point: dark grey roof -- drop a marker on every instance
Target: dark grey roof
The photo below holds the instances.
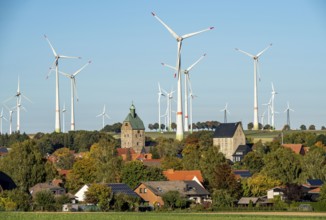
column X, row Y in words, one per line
column 185, row 188
column 246, row 200
column 3, row 150
column 6, row 183
column 242, row 173
column 315, row 182
column 122, row 188
column 134, row 120
column 226, row 130
column 242, row 148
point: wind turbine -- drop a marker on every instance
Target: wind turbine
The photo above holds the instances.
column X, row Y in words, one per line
column 57, row 99
column 63, row 117
column 103, row 114
column 287, row 110
column 169, row 97
column 18, row 97
column 11, row 111
column 226, row 111
column 179, row 39
column 160, row 93
column 2, row 117
column 255, row 58
column 73, row 88
column 262, row 119
column 187, row 79
column 269, row 107
column 191, row 96
column 273, row 106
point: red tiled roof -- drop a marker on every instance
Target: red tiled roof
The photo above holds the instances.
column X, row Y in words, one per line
column 317, row 190
column 64, row 172
column 295, row 147
column 183, row 175
column 122, row 151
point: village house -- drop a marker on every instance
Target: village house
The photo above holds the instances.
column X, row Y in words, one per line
column 115, row 188
column 152, row 191
column 296, row 148
column 194, row 175
column 49, row 186
column 133, row 131
column 231, row 140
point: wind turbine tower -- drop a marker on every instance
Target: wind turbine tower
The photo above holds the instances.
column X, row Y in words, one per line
column 57, row 99
column 160, row 93
column 273, row 106
column 73, row 88
column 191, row 96
column 287, row 110
column 255, row 58
column 179, row 39
column 226, row 111
column 63, row 117
column 187, row 81
column 1, row 117
column 104, row 115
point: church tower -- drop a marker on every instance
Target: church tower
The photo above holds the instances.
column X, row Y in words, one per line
column 133, row 131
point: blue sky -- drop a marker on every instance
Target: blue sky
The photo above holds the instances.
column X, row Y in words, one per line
column 127, row 45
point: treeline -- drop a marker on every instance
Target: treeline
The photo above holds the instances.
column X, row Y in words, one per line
column 207, row 125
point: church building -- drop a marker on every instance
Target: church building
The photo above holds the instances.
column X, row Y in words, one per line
column 133, row 131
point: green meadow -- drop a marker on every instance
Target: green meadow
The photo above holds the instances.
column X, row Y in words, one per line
column 157, row 216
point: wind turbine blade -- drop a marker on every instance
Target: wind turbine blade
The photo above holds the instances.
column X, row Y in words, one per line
column 248, row 54
column 264, row 50
column 167, row 27
column 50, row 70
column 169, row 66
column 78, row 71
column 69, row 57
column 75, row 88
column 195, row 33
column 54, row 53
column 8, row 99
column 195, row 63
column 65, row 74
column 106, row 115
column 27, row 98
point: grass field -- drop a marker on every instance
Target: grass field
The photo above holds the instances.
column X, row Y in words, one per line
column 158, row 216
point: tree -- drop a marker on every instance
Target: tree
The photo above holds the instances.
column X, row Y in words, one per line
column 286, row 128
column 156, row 126
column 221, row 198
column 65, row 158
column 122, row 202
column 173, row 126
column 323, row 128
column 171, row 162
column 258, row 184
column 99, row 194
column 314, row 164
column 312, row 127
column 267, row 127
column 173, row 199
column 44, row 201
column 134, row 172
column 283, row 164
column 21, row 199
column 108, row 164
column 83, row 172
column 162, row 126
column 322, row 195
column 253, row 161
column 250, row 126
column 303, row 128
column 150, row 126
column 24, row 164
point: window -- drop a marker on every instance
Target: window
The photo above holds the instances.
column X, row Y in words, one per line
column 126, row 124
column 140, row 190
column 138, row 131
column 145, row 190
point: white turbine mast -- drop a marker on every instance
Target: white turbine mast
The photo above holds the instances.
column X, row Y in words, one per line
column 18, row 97
column 255, row 58
column 187, row 81
column 226, row 112
column 103, row 115
column 11, row 111
column 57, row 98
column 160, row 93
column 191, row 96
column 2, row 117
column 169, row 97
column 273, row 106
column 73, row 88
column 179, row 39
column 63, row 117
column 287, row 110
